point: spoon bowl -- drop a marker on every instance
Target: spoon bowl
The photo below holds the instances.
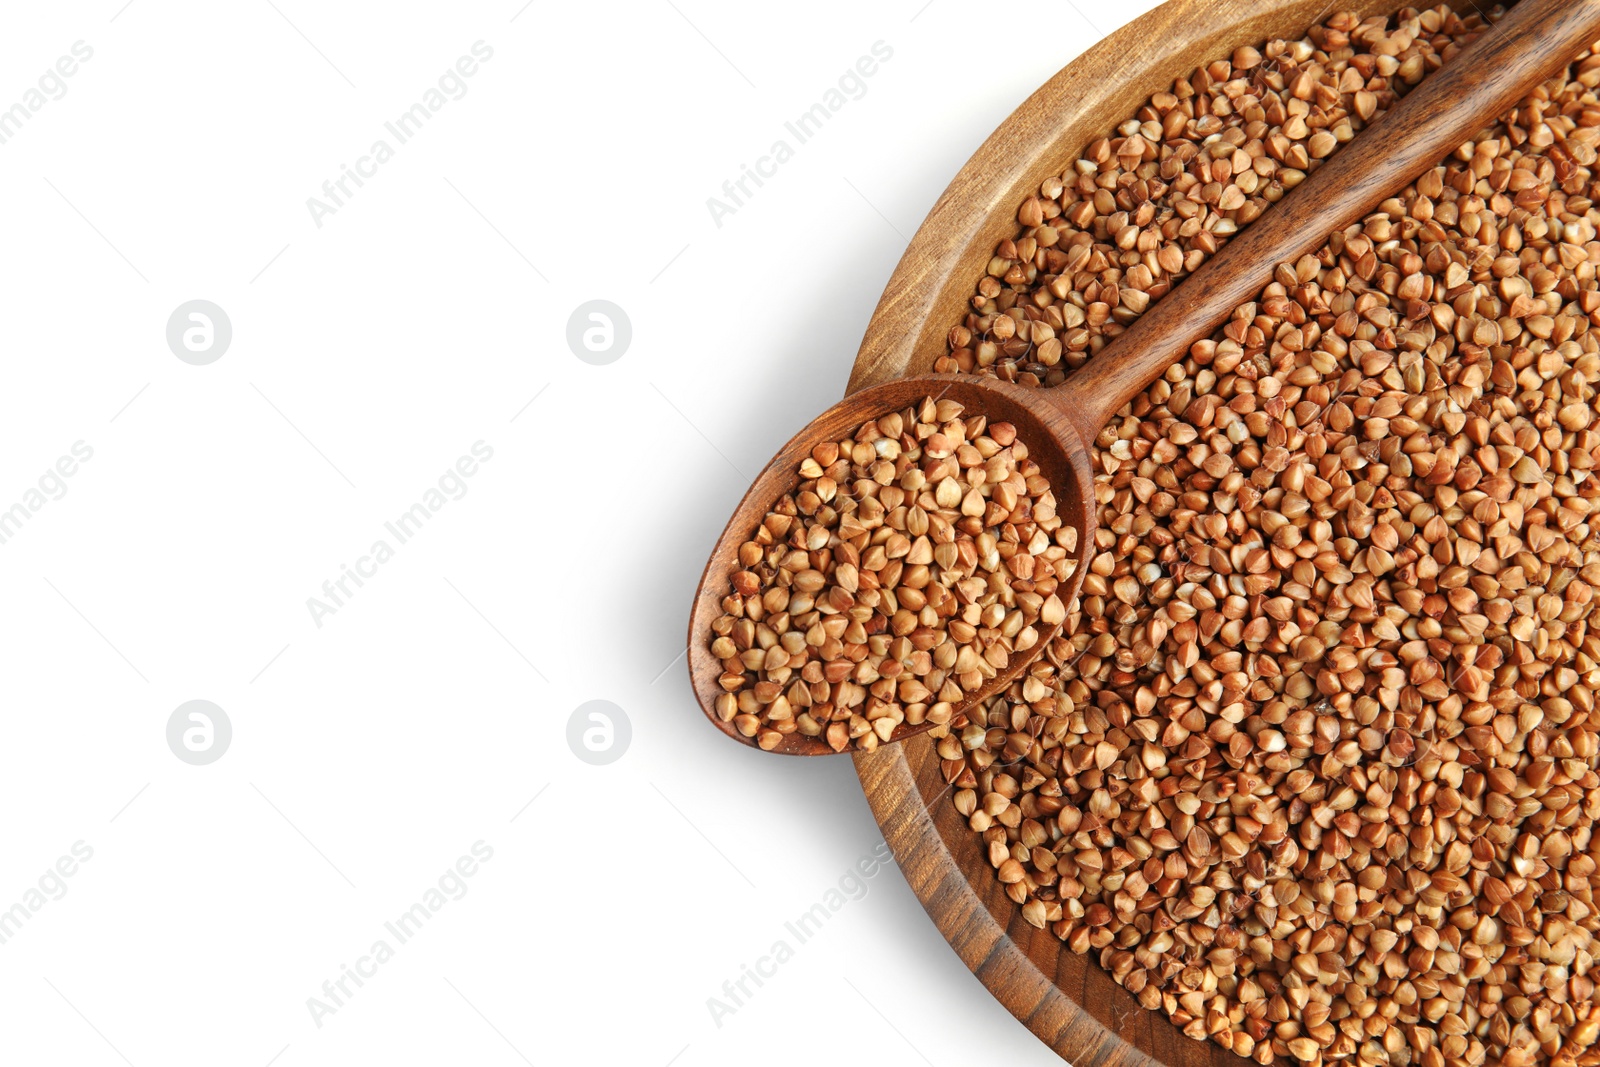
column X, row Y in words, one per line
column 1054, row 442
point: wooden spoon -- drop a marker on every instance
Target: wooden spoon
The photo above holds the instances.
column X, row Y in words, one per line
column 1529, row 45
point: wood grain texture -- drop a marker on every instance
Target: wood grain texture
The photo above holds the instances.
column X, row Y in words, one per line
column 1065, row 1000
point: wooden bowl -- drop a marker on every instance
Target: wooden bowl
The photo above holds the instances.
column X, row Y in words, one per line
column 1066, row 1000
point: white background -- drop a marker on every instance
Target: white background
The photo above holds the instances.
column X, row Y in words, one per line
column 367, row 356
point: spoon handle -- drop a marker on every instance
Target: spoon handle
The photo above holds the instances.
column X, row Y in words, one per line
column 1531, row 44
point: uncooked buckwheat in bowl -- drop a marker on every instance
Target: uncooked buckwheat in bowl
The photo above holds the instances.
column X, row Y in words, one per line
column 908, row 564
column 1312, row 769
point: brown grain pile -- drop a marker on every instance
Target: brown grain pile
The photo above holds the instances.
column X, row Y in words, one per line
column 1143, row 209
column 1313, row 767
column 901, row 573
